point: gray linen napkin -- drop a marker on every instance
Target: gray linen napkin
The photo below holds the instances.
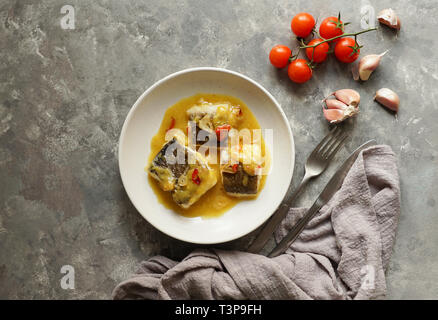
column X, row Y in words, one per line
column 342, row 253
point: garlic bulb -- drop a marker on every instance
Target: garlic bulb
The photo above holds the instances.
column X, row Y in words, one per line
column 388, row 17
column 387, row 98
column 368, row 64
column 344, row 106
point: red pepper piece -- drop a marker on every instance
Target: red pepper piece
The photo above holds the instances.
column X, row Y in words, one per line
column 195, row 177
column 235, row 167
column 222, row 131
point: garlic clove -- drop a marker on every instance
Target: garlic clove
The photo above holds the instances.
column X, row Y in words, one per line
column 389, row 18
column 368, row 64
column 339, row 115
column 333, row 115
column 335, row 104
column 388, row 99
column 348, row 96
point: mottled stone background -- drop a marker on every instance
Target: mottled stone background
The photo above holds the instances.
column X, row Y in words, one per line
column 64, row 95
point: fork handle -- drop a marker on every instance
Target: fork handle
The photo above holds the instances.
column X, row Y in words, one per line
column 272, row 224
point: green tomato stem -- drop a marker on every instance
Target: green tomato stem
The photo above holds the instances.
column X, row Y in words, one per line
column 337, row 37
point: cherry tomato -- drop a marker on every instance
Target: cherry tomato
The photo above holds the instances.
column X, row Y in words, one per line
column 279, row 56
column 319, row 52
column 299, row 71
column 331, row 27
column 302, row 24
column 344, row 50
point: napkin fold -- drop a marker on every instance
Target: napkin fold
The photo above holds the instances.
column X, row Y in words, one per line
column 342, row 253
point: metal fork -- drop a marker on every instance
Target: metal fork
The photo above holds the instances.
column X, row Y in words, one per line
column 316, row 163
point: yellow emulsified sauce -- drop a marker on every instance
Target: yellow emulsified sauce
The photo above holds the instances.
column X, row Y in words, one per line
column 215, row 201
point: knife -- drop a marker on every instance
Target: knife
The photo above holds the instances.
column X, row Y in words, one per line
column 330, row 189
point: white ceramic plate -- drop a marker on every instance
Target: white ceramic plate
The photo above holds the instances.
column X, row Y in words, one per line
column 142, row 123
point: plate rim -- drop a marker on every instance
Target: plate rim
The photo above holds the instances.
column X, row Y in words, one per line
column 169, row 77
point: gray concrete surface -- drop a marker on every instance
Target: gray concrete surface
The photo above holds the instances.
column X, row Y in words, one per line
column 64, row 95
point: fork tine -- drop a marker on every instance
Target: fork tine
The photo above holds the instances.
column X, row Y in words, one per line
column 336, row 147
column 330, row 143
column 324, row 140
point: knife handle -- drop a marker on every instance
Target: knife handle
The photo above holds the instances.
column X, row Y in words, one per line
column 275, row 220
column 295, row 231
